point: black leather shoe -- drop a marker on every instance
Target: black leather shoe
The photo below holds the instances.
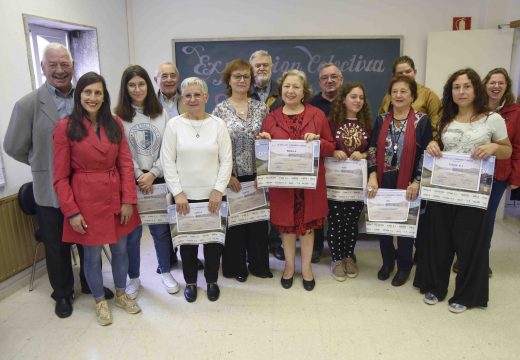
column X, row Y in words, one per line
column 63, row 308
column 213, row 292
column 263, row 275
column 286, row 283
column 315, row 256
column 200, row 265
column 384, row 272
column 400, row 278
column 240, row 278
column 190, row 293
column 309, row 284
column 278, row 253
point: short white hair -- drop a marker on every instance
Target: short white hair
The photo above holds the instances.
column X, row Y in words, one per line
column 158, row 68
column 194, row 81
column 55, row 46
column 258, row 53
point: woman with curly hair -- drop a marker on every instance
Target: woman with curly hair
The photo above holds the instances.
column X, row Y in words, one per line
column 351, row 126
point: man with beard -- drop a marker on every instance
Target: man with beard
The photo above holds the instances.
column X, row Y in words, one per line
column 29, row 140
column 263, row 89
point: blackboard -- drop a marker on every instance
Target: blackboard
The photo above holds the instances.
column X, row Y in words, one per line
column 367, row 60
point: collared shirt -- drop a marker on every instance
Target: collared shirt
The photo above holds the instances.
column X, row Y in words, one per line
column 170, row 105
column 64, row 103
column 263, row 93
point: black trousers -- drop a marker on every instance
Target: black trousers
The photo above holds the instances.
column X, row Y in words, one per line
column 342, row 233
column 57, row 253
column 403, row 253
column 455, row 230
column 246, row 243
column 212, row 253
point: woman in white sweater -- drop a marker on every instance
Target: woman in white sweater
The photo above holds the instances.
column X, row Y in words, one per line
column 197, row 161
column 145, row 121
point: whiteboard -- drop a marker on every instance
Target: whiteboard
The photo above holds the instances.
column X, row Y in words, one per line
column 482, row 50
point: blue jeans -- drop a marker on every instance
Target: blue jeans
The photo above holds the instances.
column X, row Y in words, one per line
column 93, row 272
column 162, row 239
column 499, row 186
column 134, row 252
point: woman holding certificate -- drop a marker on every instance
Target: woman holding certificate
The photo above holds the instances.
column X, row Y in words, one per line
column 244, row 117
column 507, row 172
column 145, row 120
column 297, row 212
column 465, row 127
column 94, row 182
column 351, row 126
column 197, row 161
column 398, row 142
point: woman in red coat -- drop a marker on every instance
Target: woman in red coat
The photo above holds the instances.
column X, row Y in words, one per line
column 297, row 212
column 507, row 172
column 94, row 181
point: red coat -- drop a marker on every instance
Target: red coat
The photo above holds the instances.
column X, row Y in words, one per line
column 509, row 169
column 94, row 177
column 282, row 200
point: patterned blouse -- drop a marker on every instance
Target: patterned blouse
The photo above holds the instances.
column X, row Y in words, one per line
column 350, row 136
column 243, row 133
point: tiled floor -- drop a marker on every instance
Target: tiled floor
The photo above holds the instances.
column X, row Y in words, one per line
column 362, row 318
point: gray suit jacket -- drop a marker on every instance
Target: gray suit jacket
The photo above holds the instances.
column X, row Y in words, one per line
column 29, row 140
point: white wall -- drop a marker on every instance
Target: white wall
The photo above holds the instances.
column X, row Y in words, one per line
column 109, row 17
column 157, row 22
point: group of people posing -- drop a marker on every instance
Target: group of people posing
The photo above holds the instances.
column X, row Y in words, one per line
column 86, row 183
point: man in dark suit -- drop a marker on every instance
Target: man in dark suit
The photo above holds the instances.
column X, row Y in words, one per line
column 29, row 140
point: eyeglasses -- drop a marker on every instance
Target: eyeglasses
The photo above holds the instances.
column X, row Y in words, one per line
column 245, row 77
column 332, row 77
column 195, row 96
column 496, row 83
column 134, row 86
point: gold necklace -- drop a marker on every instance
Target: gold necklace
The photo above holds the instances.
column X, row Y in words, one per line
column 197, row 130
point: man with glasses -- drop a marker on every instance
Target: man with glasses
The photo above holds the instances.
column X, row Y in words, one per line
column 29, row 140
column 262, row 88
column 331, row 80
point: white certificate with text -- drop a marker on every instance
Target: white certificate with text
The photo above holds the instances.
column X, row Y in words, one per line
column 198, row 219
column 389, row 205
column 456, row 171
column 248, row 198
column 346, row 173
column 291, row 156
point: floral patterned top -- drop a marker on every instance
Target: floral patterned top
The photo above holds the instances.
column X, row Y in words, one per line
column 243, row 132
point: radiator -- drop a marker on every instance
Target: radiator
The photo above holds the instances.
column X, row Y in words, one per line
column 17, row 241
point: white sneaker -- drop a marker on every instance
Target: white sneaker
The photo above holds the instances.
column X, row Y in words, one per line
column 170, row 284
column 132, row 289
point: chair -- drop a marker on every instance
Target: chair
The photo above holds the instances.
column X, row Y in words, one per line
column 28, row 206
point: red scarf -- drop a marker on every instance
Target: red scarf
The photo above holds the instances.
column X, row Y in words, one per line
column 407, row 155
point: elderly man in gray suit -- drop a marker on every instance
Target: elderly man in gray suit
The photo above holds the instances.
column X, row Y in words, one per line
column 29, row 140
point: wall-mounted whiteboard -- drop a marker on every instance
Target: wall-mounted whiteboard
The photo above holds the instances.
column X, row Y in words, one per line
column 481, row 50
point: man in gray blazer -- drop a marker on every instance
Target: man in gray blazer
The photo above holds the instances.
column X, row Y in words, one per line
column 29, row 140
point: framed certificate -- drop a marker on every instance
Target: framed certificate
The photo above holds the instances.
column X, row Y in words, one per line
column 389, row 213
column 287, row 163
column 346, row 179
column 291, row 156
column 389, row 205
column 199, row 226
column 456, row 171
column 152, row 207
column 457, row 179
column 248, row 198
